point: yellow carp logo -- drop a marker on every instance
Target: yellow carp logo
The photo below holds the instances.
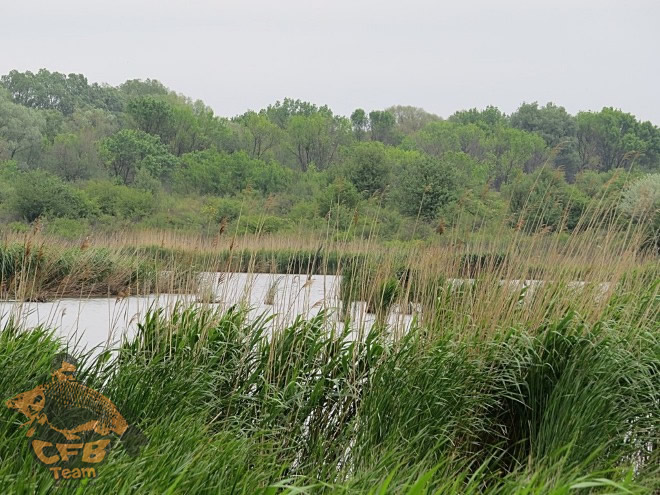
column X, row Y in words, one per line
column 70, row 423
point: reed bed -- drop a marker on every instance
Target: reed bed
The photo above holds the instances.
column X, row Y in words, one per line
column 35, row 267
column 529, row 366
column 229, row 406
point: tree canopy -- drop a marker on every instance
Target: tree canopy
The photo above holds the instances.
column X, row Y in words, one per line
column 158, row 157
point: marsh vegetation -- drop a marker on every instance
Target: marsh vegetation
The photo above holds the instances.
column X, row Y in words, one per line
column 296, row 302
column 494, row 384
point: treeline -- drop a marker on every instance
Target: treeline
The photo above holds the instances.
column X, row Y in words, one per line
column 82, row 156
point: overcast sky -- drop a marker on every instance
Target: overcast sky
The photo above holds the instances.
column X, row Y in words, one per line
column 437, row 54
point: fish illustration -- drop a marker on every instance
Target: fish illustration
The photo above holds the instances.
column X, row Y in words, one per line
column 64, row 397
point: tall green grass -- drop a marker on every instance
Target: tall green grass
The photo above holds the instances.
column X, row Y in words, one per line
column 40, row 272
column 232, row 405
column 499, row 384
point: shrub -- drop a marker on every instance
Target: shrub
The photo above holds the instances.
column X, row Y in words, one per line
column 544, row 199
column 18, row 227
column 38, row 193
column 426, row 185
column 341, row 192
column 368, row 167
column 641, row 201
column 121, row 201
column 265, row 224
column 67, row 228
column 212, row 172
column 217, row 209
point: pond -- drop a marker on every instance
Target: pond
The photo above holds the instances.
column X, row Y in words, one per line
column 104, row 321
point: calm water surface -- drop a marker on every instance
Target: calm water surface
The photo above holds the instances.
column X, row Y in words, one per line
column 102, row 322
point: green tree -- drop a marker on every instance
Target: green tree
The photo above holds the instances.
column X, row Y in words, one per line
column 513, row 150
column 54, row 122
column 73, row 157
column 436, row 139
column 261, row 134
column 425, row 185
column 20, row 130
column 281, row 113
column 53, row 90
column 314, row 139
column 129, row 150
column 152, row 115
column 94, row 122
column 545, row 200
column 360, row 123
column 468, row 172
column 613, row 139
column 551, row 122
column 488, row 119
column 473, row 140
column 382, row 125
column 135, row 88
column 213, row 172
column 195, row 127
column 411, row 119
column 368, row 167
column 557, row 128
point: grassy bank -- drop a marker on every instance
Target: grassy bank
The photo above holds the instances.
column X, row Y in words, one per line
column 497, row 387
column 38, row 272
column 35, row 266
column 563, row 406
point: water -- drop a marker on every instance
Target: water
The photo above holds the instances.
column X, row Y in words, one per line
column 95, row 322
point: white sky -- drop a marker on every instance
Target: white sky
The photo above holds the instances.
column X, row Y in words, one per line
column 440, row 55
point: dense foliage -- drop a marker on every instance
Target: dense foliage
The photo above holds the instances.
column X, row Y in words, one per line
column 229, row 407
column 140, row 155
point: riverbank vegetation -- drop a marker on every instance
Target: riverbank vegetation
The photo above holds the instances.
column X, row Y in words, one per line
column 90, row 159
column 497, row 385
column 36, row 267
column 542, row 404
column 521, row 249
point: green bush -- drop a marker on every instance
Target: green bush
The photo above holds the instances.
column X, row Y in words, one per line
column 340, row 193
column 368, row 167
column 217, row 210
column 425, row 186
column 544, row 199
column 67, row 228
column 38, row 193
column 121, row 201
column 265, row 224
column 17, row 227
column 212, row 172
column 303, row 210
